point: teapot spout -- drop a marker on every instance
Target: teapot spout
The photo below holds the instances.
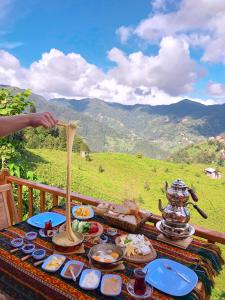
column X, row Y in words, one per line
column 160, row 206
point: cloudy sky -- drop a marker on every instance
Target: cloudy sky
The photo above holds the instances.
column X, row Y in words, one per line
column 127, row 51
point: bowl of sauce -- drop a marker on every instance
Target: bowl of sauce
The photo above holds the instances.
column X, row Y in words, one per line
column 28, row 248
column 30, row 236
column 39, row 254
column 17, row 243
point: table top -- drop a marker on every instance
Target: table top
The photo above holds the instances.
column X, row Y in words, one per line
column 22, row 278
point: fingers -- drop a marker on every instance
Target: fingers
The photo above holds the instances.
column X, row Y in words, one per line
column 43, row 119
column 50, row 120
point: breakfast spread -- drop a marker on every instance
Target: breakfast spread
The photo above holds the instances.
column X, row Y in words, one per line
column 135, row 244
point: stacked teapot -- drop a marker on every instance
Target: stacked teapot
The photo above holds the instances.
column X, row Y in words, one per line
column 176, row 215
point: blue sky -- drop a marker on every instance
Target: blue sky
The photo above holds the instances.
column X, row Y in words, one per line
column 129, row 51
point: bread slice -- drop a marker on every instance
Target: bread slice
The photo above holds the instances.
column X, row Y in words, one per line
column 128, row 218
column 121, row 209
column 132, row 205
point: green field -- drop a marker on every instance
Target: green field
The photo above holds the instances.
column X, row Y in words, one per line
column 125, row 176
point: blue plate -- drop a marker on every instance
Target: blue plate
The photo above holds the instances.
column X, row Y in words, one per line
column 111, row 276
column 70, row 262
column 82, row 218
column 93, row 286
column 40, row 219
column 168, row 281
column 47, row 260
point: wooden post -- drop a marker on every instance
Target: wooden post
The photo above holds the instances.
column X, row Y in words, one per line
column 3, row 176
column 20, row 202
column 30, row 202
column 42, row 201
column 55, row 200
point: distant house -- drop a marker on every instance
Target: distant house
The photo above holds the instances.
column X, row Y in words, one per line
column 83, row 154
column 213, row 173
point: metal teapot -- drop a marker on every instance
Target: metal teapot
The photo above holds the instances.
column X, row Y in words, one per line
column 176, row 214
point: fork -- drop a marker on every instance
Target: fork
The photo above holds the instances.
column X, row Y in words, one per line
column 168, row 267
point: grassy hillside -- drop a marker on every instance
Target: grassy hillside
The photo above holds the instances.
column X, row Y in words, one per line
column 125, row 177
column 206, row 152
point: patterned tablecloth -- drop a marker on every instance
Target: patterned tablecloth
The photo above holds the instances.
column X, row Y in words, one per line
column 21, row 280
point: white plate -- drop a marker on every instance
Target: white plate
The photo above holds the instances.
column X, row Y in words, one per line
column 50, row 258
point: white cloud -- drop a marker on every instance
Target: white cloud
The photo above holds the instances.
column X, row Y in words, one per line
column 136, row 78
column 172, row 70
column 159, row 5
column 124, row 33
column 10, row 45
column 202, row 22
column 216, row 89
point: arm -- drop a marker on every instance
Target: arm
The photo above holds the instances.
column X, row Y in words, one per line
column 12, row 124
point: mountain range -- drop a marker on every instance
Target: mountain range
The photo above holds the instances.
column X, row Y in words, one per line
column 155, row 131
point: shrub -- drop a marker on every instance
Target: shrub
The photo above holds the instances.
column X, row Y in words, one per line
column 101, row 169
column 146, row 186
column 139, row 155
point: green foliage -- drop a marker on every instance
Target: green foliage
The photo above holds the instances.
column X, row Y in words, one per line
column 139, row 155
column 54, row 138
column 206, row 153
column 88, row 157
column 14, row 104
column 12, row 147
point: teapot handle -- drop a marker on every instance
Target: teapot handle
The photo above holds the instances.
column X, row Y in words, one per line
column 193, row 195
column 200, row 211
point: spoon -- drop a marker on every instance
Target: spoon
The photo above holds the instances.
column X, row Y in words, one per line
column 178, row 273
column 37, row 263
column 72, row 274
column 26, row 257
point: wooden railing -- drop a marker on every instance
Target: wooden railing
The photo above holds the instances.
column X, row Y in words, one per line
column 210, row 235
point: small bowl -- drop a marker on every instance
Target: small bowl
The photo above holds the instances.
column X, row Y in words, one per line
column 30, row 236
column 103, row 239
column 17, row 243
column 28, row 248
column 39, row 254
column 112, row 231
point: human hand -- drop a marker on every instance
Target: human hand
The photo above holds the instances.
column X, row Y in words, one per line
column 45, row 119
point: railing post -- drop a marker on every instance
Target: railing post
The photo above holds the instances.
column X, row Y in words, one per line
column 30, row 202
column 3, row 176
column 20, row 202
column 42, row 201
column 55, row 200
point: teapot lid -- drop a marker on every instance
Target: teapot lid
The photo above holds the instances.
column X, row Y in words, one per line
column 179, row 184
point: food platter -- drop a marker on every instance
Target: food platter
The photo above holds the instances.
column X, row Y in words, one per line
column 138, row 258
column 86, row 234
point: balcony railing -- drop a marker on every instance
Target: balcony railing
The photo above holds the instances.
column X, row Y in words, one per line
column 55, row 193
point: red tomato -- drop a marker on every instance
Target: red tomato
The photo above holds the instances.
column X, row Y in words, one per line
column 93, row 228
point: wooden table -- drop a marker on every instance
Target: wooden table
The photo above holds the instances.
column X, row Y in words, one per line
column 21, row 280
